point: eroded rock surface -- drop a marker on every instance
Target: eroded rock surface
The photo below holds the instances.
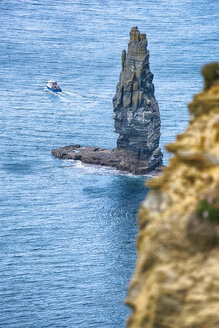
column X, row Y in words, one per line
column 137, row 118
column 176, row 281
column 123, row 160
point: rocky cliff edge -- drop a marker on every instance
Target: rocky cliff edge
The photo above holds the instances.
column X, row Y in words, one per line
column 176, row 281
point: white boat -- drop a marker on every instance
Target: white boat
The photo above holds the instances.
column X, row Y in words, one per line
column 53, row 86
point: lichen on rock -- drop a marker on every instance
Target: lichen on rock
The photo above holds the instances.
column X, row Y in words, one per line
column 176, row 281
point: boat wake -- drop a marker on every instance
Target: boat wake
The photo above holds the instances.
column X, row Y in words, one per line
column 67, row 96
column 73, row 94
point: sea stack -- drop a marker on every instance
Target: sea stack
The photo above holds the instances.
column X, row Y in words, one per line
column 137, row 118
column 136, row 115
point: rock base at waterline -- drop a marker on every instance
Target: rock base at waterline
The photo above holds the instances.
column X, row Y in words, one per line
column 123, row 160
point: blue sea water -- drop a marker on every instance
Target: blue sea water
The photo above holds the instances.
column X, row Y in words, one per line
column 68, row 230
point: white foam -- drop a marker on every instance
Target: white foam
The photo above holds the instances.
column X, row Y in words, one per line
column 73, row 94
column 99, row 169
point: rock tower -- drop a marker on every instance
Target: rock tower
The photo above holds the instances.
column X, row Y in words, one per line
column 137, row 118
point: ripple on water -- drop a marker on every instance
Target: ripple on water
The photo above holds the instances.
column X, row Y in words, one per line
column 68, row 229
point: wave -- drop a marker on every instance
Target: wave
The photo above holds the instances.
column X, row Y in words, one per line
column 98, row 169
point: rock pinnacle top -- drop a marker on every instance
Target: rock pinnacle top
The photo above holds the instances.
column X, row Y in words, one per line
column 135, row 35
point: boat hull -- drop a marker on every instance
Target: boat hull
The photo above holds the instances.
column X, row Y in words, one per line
column 54, row 90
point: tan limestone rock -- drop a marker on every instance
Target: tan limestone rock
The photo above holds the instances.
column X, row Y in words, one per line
column 176, row 281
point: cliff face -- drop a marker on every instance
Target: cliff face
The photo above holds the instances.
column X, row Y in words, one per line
column 176, row 281
column 137, row 118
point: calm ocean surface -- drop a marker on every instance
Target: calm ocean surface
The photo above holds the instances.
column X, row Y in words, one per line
column 67, row 235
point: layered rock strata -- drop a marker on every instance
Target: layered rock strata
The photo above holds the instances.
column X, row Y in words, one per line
column 176, row 281
column 136, row 116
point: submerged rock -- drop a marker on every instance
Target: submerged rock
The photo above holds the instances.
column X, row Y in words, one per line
column 137, row 118
column 176, row 280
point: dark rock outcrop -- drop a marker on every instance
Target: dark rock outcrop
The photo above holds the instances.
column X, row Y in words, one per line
column 137, row 118
column 123, row 160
